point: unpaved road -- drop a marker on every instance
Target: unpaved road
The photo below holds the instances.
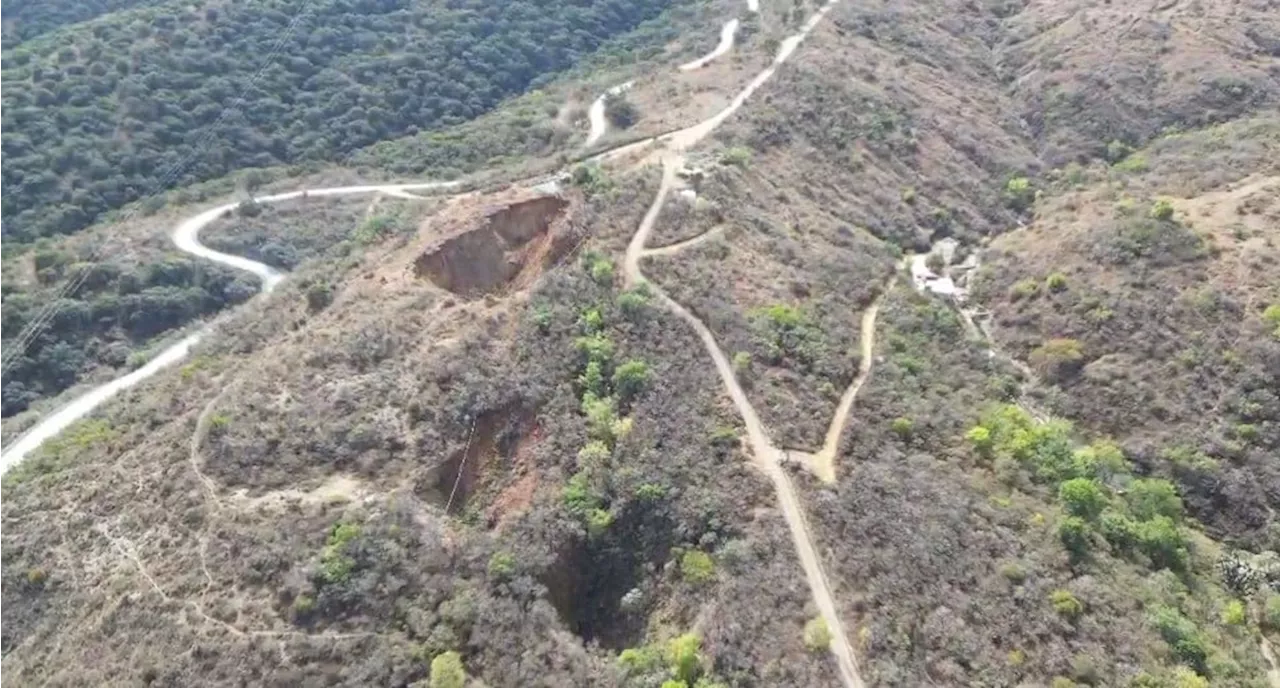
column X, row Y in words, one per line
column 765, row 455
column 595, row 113
column 727, row 33
column 822, row 463
column 186, row 236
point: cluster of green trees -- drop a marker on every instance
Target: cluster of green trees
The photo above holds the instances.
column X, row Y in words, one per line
column 607, row 390
column 116, row 310
column 1103, row 500
column 101, row 114
column 26, row 19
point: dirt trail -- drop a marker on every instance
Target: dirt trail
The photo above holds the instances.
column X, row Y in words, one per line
column 822, row 463
column 765, row 456
column 186, row 236
column 727, row 34
column 1273, row 672
column 672, row 249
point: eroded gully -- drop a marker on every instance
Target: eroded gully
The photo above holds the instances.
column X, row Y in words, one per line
column 668, row 150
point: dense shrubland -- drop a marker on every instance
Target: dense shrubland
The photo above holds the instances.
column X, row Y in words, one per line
column 118, row 309
column 101, row 114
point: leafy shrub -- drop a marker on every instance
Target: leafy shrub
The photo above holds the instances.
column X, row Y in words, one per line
column 909, row 195
column 1271, row 316
column 602, row 272
column 302, row 606
column 1162, row 210
column 1151, row 497
column 980, row 437
column 249, row 208
column 1076, row 536
column 1183, row 637
column 596, row 347
column 1082, row 497
column 1160, row 539
column 1057, row 358
column 697, row 567
column 592, row 379
column 633, row 302
column 741, row 362
column 447, row 671
column 1271, row 612
column 335, row 563
column 902, row 427
column 1066, row 605
column 787, row 333
column 1024, row 289
column 1133, row 164
column 36, row 576
column 1013, row 571
column 591, row 179
column 636, row 661
column 622, row 113
column 1018, row 194
column 594, row 455
column 817, row 636
column 1056, row 282
column 502, row 565
column 319, row 295
column 631, row 378
column 578, row 497
column 1118, row 150
column 598, row 521
column 737, row 156
column 684, row 656
column 1233, row 613
column 374, row 229
column 602, row 415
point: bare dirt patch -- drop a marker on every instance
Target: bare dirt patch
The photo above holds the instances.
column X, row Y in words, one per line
column 511, row 245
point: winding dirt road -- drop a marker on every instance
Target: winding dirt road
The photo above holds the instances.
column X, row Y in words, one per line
column 765, row 456
column 186, row 236
column 727, row 33
column 822, row 463
column 668, row 149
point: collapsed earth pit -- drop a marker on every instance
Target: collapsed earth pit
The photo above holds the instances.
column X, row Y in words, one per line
column 510, row 246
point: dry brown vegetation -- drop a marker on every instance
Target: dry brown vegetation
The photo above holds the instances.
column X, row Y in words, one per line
column 424, row 441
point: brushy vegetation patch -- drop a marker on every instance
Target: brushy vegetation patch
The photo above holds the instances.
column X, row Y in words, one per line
column 1109, row 511
column 95, row 88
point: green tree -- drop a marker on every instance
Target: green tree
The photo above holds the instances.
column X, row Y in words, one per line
column 1082, row 497
column 447, row 671
column 817, row 636
column 1151, row 497
column 1075, row 535
column 631, row 378
column 683, row 656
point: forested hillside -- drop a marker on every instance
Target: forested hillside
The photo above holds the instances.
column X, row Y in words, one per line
column 27, row 19
column 101, row 114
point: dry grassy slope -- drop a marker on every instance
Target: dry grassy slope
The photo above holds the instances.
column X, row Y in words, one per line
column 1169, row 315
column 897, row 121
column 948, row 563
column 178, row 567
column 1088, row 72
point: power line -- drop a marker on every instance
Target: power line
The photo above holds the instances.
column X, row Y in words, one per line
column 15, row 350
column 461, row 465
